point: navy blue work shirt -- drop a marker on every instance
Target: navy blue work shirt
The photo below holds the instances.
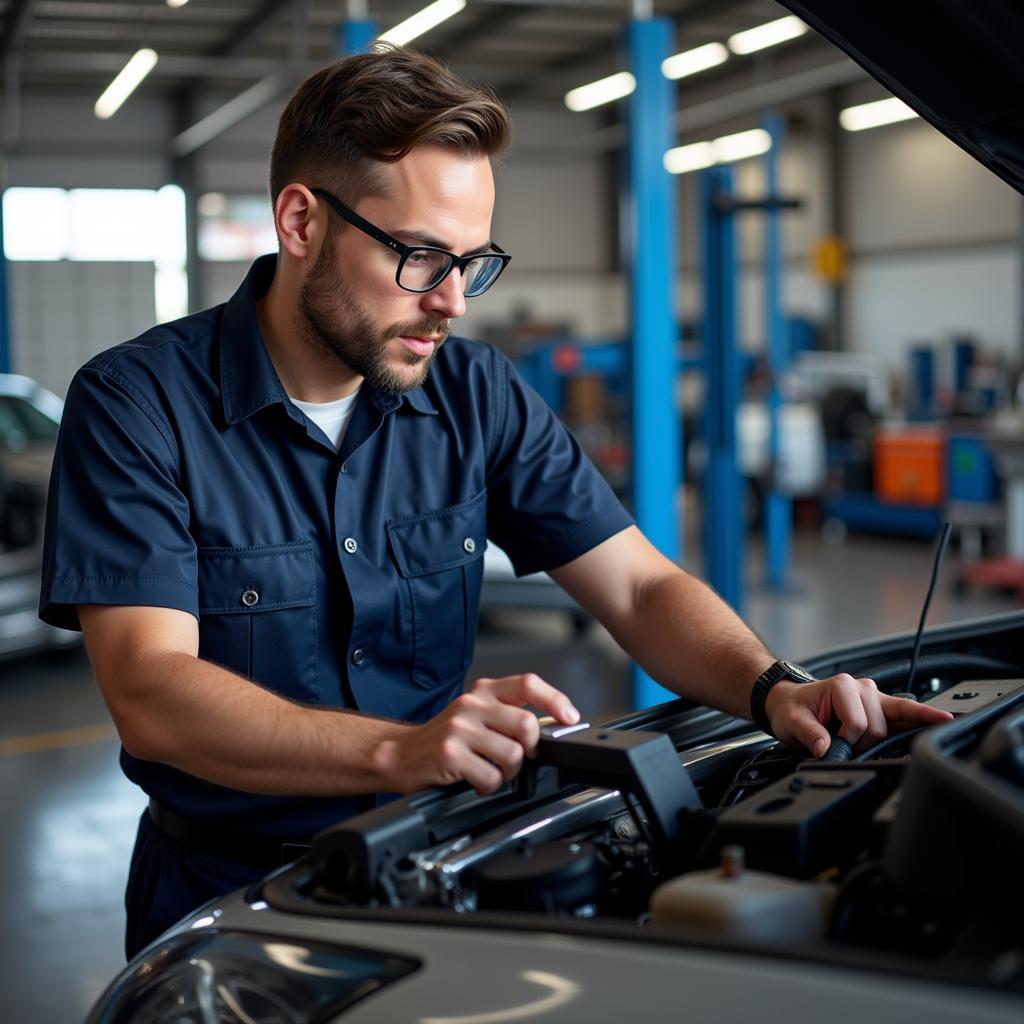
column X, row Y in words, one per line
column 185, row 478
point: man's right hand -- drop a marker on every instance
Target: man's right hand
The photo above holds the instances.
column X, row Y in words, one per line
column 480, row 738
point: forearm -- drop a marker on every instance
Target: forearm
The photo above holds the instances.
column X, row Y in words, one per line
column 205, row 720
column 688, row 639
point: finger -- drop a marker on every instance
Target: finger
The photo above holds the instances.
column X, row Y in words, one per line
column 483, row 776
column 456, row 761
column 515, row 723
column 872, row 704
column 486, row 728
column 848, row 705
column 504, row 753
column 531, row 689
column 901, row 710
column 807, row 730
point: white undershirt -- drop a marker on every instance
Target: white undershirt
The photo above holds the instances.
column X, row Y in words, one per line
column 331, row 417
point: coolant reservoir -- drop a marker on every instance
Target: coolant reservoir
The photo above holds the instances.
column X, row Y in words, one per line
column 732, row 902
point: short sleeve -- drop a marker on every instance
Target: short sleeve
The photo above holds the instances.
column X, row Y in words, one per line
column 547, row 502
column 116, row 518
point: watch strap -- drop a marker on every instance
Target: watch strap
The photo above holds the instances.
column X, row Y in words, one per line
column 773, row 674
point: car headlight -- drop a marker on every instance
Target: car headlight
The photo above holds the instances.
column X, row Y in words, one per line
column 224, row 977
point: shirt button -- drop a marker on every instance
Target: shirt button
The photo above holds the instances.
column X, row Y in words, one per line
column 249, row 598
column 469, row 544
column 351, row 546
column 358, row 656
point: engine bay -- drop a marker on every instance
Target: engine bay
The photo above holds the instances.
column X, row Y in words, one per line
column 683, row 820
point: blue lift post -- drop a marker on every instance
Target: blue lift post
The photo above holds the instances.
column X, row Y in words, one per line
column 5, row 308
column 656, row 426
column 723, row 494
column 778, row 518
column 354, row 35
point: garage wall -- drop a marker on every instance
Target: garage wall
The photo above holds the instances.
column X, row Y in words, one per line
column 934, row 238
column 62, row 144
column 935, row 244
column 63, row 313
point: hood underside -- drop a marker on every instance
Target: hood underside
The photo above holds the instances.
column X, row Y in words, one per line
column 958, row 63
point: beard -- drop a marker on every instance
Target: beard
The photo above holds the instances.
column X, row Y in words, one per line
column 332, row 322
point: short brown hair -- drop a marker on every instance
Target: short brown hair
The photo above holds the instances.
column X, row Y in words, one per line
column 374, row 108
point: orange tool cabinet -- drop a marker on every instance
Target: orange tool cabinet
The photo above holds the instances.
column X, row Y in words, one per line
column 910, row 466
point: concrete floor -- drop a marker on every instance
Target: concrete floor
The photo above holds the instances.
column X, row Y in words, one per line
column 69, row 816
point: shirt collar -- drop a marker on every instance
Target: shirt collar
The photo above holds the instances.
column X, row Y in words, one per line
column 249, row 381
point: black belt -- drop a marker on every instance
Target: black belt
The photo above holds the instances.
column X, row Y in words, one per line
column 241, row 847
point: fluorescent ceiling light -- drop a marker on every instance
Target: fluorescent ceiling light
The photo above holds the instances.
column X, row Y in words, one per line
column 770, row 34
column 176, row 3
column 694, row 157
column 742, row 145
column 871, row 115
column 726, row 149
column 602, row 91
column 125, row 84
column 405, row 31
column 689, row 62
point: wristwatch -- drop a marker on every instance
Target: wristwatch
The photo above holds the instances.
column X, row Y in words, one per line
column 765, row 681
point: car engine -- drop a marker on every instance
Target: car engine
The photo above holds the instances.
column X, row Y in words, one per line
column 691, row 826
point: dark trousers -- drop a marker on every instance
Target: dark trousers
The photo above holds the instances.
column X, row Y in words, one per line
column 166, row 881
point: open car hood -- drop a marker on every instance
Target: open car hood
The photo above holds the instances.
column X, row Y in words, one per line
column 956, row 62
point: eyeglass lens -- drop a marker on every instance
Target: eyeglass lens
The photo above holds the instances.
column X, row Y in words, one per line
column 424, row 269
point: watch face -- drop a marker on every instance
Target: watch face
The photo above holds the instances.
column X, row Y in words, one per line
column 797, row 671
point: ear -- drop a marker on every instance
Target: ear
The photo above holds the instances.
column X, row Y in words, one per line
column 298, row 217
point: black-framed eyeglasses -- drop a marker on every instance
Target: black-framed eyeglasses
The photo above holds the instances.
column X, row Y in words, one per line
column 423, row 267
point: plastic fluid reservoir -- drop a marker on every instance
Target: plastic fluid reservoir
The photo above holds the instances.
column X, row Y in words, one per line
column 735, row 903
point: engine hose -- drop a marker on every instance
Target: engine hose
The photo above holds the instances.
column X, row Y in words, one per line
column 839, row 750
column 937, row 664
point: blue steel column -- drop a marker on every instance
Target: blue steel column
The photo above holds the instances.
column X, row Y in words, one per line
column 723, row 504
column 354, row 36
column 5, row 309
column 778, row 519
column 656, row 426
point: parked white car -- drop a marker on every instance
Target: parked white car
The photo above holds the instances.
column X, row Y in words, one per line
column 29, row 420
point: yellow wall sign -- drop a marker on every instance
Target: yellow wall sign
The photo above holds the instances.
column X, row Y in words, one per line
column 828, row 259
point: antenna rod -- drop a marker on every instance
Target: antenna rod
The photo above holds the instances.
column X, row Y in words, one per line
column 943, row 541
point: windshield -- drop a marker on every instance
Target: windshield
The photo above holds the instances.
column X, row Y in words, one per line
column 22, row 421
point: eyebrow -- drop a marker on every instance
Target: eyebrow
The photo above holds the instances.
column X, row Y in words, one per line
column 425, row 239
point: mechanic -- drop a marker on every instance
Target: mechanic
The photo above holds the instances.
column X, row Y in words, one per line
column 269, row 518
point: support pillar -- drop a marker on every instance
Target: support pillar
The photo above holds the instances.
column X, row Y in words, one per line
column 652, row 262
column 778, row 509
column 723, row 494
column 356, row 32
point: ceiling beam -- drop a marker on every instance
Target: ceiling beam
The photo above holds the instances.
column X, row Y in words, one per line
column 55, row 62
column 489, row 22
column 740, row 102
column 691, row 13
column 236, row 110
column 242, row 33
column 15, row 25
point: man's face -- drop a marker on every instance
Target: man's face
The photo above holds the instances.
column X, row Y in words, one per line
column 350, row 306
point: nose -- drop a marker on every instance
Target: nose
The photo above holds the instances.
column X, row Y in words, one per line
column 447, row 300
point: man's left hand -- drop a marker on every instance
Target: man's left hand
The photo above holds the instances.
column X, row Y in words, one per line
column 800, row 712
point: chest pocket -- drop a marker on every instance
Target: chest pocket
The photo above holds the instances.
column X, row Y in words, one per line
column 257, row 615
column 441, row 557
